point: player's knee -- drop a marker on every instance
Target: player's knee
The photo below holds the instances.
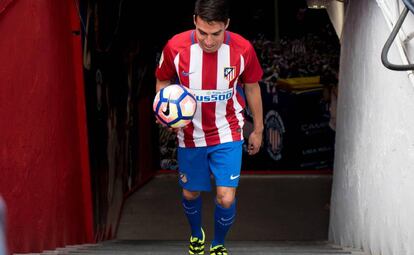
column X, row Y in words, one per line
column 225, row 200
column 190, row 195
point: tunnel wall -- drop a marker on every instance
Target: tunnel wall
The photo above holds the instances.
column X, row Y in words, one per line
column 372, row 199
column 44, row 175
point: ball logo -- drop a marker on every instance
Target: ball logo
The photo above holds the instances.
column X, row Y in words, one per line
column 166, row 111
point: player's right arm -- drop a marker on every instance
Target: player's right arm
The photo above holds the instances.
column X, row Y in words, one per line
column 165, row 70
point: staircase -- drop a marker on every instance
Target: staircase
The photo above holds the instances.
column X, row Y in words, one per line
column 272, row 209
column 130, row 247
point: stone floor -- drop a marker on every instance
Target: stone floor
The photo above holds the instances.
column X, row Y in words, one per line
column 269, row 208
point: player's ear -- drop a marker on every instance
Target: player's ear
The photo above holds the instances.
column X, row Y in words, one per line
column 228, row 23
column 194, row 19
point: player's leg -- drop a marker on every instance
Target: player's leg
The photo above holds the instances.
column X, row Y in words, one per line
column 225, row 164
column 224, row 214
column 194, row 177
column 192, row 205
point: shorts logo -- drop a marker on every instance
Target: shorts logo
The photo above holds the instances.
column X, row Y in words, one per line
column 183, row 178
column 234, row 177
column 229, row 73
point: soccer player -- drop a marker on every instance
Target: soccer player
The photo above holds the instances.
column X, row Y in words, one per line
column 213, row 63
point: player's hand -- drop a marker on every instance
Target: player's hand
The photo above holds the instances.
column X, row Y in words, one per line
column 255, row 142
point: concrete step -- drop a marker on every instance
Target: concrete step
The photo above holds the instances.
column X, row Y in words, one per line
column 130, row 247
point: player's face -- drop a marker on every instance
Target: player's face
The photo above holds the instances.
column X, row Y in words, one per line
column 210, row 35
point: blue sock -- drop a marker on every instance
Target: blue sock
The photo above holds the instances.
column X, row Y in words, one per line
column 192, row 209
column 223, row 218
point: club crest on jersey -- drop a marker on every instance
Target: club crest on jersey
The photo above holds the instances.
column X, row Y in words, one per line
column 229, row 73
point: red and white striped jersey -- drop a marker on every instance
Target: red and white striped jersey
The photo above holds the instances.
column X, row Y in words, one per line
column 215, row 79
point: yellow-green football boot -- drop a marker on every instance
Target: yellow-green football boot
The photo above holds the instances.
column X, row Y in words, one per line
column 197, row 245
column 218, row 250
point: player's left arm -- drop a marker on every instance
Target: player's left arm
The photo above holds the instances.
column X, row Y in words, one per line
column 254, row 101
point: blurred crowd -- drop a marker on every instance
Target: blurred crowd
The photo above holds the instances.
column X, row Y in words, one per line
column 310, row 55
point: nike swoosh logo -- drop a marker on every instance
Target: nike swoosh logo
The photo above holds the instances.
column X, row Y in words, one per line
column 186, row 73
column 228, row 219
column 193, row 212
column 234, row 177
column 166, row 111
column 188, row 208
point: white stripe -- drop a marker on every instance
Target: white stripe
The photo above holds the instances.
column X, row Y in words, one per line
column 241, row 64
column 180, row 134
column 223, row 60
column 176, row 63
column 196, row 80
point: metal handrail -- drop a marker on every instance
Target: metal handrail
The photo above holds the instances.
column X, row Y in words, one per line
column 409, row 5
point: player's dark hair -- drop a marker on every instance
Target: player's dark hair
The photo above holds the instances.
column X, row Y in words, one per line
column 212, row 10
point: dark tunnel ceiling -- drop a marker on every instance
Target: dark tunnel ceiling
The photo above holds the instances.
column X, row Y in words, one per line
column 156, row 21
column 163, row 19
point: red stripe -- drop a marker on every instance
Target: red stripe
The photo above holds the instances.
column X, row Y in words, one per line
column 184, row 65
column 233, row 121
column 208, row 112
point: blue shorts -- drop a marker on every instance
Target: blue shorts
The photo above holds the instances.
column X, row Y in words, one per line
column 197, row 166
